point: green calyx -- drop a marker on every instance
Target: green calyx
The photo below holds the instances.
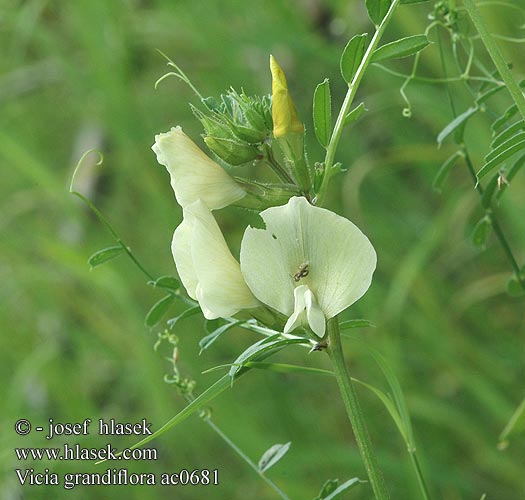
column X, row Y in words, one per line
column 236, row 125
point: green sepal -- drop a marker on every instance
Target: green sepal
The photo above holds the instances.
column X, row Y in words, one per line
column 232, row 152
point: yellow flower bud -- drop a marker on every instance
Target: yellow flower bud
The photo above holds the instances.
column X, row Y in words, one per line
column 284, row 114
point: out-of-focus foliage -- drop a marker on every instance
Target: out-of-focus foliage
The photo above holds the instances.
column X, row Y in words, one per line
column 80, row 75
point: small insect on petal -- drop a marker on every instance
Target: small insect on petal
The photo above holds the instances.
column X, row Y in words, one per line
column 302, row 272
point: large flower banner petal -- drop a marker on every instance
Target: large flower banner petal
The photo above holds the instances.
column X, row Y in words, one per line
column 310, row 246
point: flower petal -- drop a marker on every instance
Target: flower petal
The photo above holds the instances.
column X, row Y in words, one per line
column 284, row 114
column 181, row 250
column 297, row 317
column 303, row 244
column 193, row 174
column 314, row 315
column 306, row 312
column 221, row 289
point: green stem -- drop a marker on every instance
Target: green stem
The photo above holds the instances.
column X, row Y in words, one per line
column 495, row 223
column 419, row 474
column 496, row 55
column 103, row 219
column 349, row 98
column 494, row 220
column 99, row 214
column 353, row 409
column 278, row 169
column 247, row 459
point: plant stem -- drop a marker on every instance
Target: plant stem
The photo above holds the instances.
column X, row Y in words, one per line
column 353, row 409
column 345, row 108
column 495, row 223
column 496, row 55
column 247, row 459
column 278, row 169
column 419, row 474
column 103, row 219
column 207, row 419
column 494, row 220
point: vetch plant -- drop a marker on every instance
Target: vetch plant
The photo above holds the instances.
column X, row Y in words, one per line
column 302, row 268
column 297, row 272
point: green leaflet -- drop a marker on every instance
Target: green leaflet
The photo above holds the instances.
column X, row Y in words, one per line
column 489, row 93
column 377, row 10
column 322, row 111
column 105, row 255
column 264, row 347
column 507, row 133
column 158, row 310
column 444, row 170
column 403, row 47
column 207, row 341
column 456, row 123
column 500, row 158
column 332, row 490
column 518, row 138
column 198, row 403
column 356, row 323
column 272, row 455
column 482, row 231
column 355, row 114
column 504, row 118
column 167, row 282
column 191, row 311
column 352, row 57
column 215, row 389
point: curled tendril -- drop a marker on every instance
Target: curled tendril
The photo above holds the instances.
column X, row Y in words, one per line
column 79, row 165
column 166, row 335
column 178, row 73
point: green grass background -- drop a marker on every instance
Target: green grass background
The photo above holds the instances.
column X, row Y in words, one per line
column 76, row 75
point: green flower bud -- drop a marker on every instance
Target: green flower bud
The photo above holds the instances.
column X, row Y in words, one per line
column 236, row 126
column 231, row 151
column 213, row 126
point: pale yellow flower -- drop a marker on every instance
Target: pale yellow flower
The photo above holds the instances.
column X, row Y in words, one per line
column 206, row 267
column 194, row 175
column 309, row 263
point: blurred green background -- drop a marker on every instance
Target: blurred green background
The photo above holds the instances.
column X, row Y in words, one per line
column 80, row 75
